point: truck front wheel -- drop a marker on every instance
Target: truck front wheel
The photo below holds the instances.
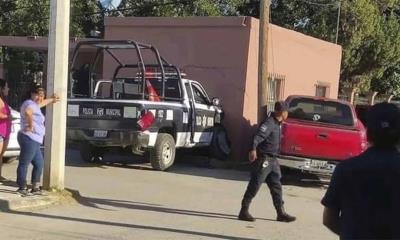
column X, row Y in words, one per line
column 162, row 156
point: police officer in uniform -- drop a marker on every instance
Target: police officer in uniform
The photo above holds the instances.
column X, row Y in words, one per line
column 265, row 166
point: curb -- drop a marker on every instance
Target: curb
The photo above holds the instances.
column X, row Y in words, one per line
column 19, row 203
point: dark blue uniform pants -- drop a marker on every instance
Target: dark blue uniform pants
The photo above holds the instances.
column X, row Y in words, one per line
column 265, row 169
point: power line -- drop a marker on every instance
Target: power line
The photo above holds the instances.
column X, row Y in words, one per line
column 336, row 3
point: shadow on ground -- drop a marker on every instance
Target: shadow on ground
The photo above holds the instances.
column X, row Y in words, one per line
column 195, row 164
column 110, row 204
column 129, row 225
column 292, row 177
column 113, row 158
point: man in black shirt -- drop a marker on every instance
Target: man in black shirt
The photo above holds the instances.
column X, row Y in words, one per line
column 363, row 198
column 265, row 166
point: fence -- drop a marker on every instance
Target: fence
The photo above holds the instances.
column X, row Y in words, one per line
column 362, row 99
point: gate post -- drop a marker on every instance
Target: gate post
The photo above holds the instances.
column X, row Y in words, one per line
column 371, row 97
column 350, row 93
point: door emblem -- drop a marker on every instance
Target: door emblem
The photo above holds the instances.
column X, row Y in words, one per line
column 204, row 123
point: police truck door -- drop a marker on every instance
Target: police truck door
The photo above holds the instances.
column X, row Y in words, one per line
column 204, row 115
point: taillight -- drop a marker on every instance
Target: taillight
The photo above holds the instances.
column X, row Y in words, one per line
column 364, row 141
column 363, row 135
column 146, row 120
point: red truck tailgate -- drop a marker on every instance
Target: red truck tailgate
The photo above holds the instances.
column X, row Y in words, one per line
column 319, row 128
column 321, row 142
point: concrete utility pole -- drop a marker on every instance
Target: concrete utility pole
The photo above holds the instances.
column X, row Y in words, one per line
column 263, row 60
column 57, row 82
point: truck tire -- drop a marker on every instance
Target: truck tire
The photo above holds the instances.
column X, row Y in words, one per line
column 162, row 156
column 220, row 146
column 91, row 153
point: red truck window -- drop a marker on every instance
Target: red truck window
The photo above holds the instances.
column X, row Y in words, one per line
column 320, row 111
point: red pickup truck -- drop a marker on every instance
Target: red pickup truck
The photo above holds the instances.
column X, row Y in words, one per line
column 319, row 133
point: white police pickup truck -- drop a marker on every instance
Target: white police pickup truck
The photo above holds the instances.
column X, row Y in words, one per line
column 146, row 105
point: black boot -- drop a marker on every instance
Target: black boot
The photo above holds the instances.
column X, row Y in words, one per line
column 283, row 216
column 244, row 215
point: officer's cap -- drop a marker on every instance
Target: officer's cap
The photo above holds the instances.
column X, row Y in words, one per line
column 281, row 106
column 383, row 124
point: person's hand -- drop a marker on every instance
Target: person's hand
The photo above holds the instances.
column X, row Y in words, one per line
column 28, row 129
column 8, row 117
column 252, row 155
column 55, row 98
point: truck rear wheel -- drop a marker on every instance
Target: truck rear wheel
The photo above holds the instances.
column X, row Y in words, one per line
column 91, row 153
column 162, row 156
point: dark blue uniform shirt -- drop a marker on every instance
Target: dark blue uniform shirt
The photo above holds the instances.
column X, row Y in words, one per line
column 366, row 191
column 268, row 137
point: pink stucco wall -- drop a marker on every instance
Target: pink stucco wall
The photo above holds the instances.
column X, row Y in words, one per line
column 303, row 60
column 222, row 54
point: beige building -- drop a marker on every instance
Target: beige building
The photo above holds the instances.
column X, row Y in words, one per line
column 222, row 53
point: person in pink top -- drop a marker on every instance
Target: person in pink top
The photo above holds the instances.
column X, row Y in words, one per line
column 5, row 122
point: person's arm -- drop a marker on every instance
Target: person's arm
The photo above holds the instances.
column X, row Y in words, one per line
column 29, row 119
column 332, row 201
column 262, row 133
column 53, row 99
column 4, row 116
column 331, row 219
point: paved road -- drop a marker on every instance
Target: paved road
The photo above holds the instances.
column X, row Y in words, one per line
column 129, row 201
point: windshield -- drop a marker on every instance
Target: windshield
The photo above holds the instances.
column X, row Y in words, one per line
column 320, row 111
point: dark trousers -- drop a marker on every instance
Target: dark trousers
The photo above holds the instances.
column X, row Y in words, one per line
column 265, row 169
column 30, row 153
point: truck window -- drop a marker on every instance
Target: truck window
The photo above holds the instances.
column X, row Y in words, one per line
column 321, row 111
column 103, row 89
column 81, row 78
column 199, row 96
column 172, row 88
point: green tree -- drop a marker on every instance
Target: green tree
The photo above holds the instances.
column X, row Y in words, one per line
column 177, row 8
column 370, row 37
column 369, row 33
column 390, row 82
column 85, row 17
column 24, row 17
column 30, row 18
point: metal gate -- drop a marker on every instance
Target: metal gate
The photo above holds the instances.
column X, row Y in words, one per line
column 276, row 87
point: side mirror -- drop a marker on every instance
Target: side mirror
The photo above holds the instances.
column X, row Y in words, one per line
column 216, row 102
